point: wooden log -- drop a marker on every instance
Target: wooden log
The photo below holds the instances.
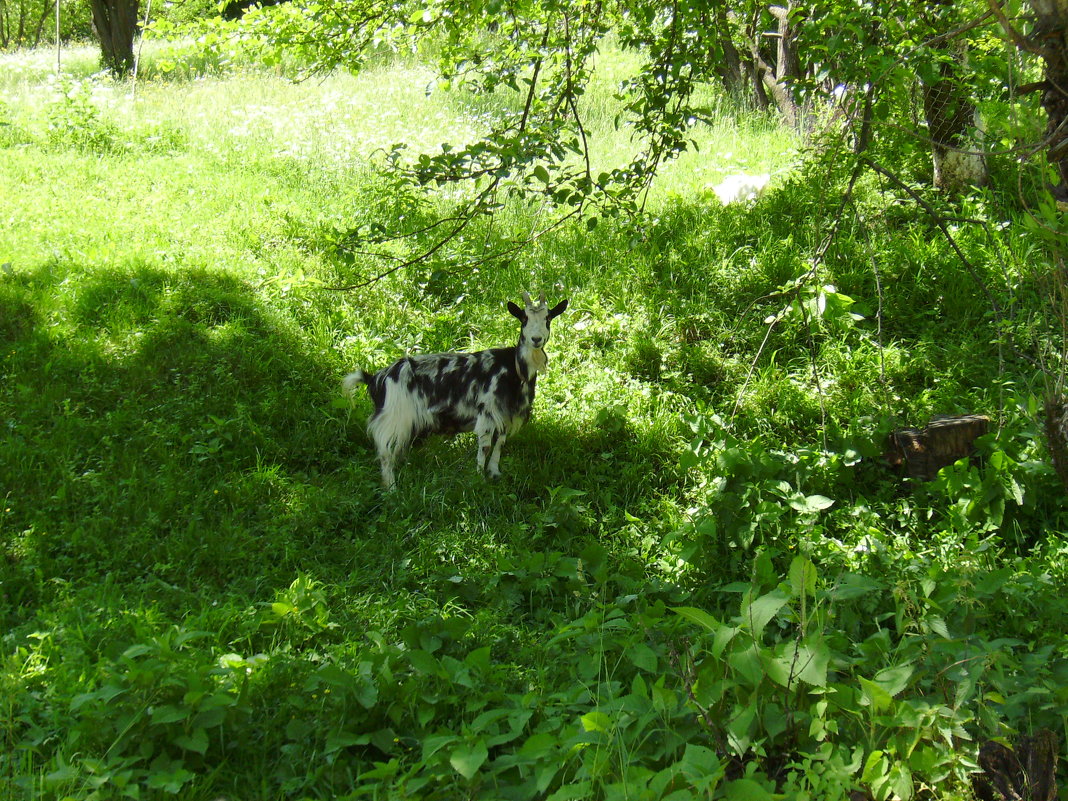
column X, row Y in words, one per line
column 944, row 440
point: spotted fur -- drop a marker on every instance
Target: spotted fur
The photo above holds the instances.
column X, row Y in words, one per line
column 490, row 392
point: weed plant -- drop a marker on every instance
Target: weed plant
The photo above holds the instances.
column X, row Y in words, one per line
column 696, row 579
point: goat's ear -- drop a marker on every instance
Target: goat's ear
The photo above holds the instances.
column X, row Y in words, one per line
column 558, row 309
column 515, row 311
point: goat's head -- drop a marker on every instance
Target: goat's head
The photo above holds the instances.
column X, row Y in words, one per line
column 535, row 318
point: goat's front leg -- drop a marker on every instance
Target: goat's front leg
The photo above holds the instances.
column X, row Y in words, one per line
column 388, row 480
column 492, row 468
column 490, row 439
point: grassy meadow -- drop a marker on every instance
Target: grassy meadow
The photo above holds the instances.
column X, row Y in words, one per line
column 696, row 579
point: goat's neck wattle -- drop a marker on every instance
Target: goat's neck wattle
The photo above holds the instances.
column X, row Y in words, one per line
column 530, row 360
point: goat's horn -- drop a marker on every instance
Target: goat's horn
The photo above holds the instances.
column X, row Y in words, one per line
column 526, row 298
column 541, row 298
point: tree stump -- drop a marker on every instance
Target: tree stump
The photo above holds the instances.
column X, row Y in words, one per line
column 923, row 452
column 1026, row 773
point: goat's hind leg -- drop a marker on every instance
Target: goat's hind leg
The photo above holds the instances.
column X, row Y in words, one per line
column 386, row 460
column 391, row 444
column 490, row 439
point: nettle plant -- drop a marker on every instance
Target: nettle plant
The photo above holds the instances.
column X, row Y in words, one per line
column 897, row 628
column 75, row 119
column 802, row 682
column 157, row 713
column 803, row 691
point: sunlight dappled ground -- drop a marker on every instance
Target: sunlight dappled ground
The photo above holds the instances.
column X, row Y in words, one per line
column 341, row 120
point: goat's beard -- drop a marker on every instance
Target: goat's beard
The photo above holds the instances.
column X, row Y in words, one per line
column 538, row 359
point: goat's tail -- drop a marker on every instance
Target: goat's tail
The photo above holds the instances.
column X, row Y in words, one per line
column 348, row 385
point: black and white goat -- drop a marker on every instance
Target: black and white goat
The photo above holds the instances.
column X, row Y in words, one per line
column 490, row 392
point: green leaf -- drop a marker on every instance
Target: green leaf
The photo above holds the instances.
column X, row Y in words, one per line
column 65, row 773
column 802, row 576
column 596, row 721
column 901, row 781
column 367, row 693
column 746, row 790
column 425, row 662
column 435, row 742
column 197, row 741
column 170, row 782
column 335, row 741
column 697, row 760
column 466, row 759
column 643, row 657
column 544, row 776
column 806, row 661
column 748, row 665
column 573, row 792
column 168, row 713
column 938, row 626
column 739, row 728
column 702, row 769
column 894, row 679
column 541, row 174
column 874, row 767
column 488, row 718
column 478, row 658
column 333, row 676
column 698, row 616
column 540, row 743
column 810, row 504
column 813, row 659
column 722, row 638
column 853, row 585
column 759, row 612
column 874, row 695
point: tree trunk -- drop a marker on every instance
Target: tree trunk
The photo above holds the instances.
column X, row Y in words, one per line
column 730, row 71
column 116, row 25
column 46, row 12
column 951, row 115
column 775, row 79
column 1050, row 41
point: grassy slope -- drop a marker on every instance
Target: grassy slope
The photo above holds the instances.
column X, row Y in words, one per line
column 175, row 459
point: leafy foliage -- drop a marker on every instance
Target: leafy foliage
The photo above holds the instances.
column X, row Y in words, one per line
column 696, row 579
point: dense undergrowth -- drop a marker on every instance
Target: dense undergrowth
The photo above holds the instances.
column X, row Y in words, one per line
column 697, row 579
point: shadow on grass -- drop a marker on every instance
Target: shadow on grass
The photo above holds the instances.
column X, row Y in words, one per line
column 167, row 425
column 169, row 430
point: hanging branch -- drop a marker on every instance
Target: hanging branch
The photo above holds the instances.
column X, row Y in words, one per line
column 863, row 141
column 140, row 44
column 470, row 265
column 59, row 65
column 941, row 223
column 464, row 222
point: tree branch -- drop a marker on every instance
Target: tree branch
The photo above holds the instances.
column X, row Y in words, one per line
column 1014, row 35
column 941, row 223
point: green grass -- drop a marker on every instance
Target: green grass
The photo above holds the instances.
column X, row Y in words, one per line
column 204, row 593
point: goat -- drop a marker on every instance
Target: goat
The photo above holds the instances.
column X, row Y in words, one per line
column 740, row 188
column 490, row 392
